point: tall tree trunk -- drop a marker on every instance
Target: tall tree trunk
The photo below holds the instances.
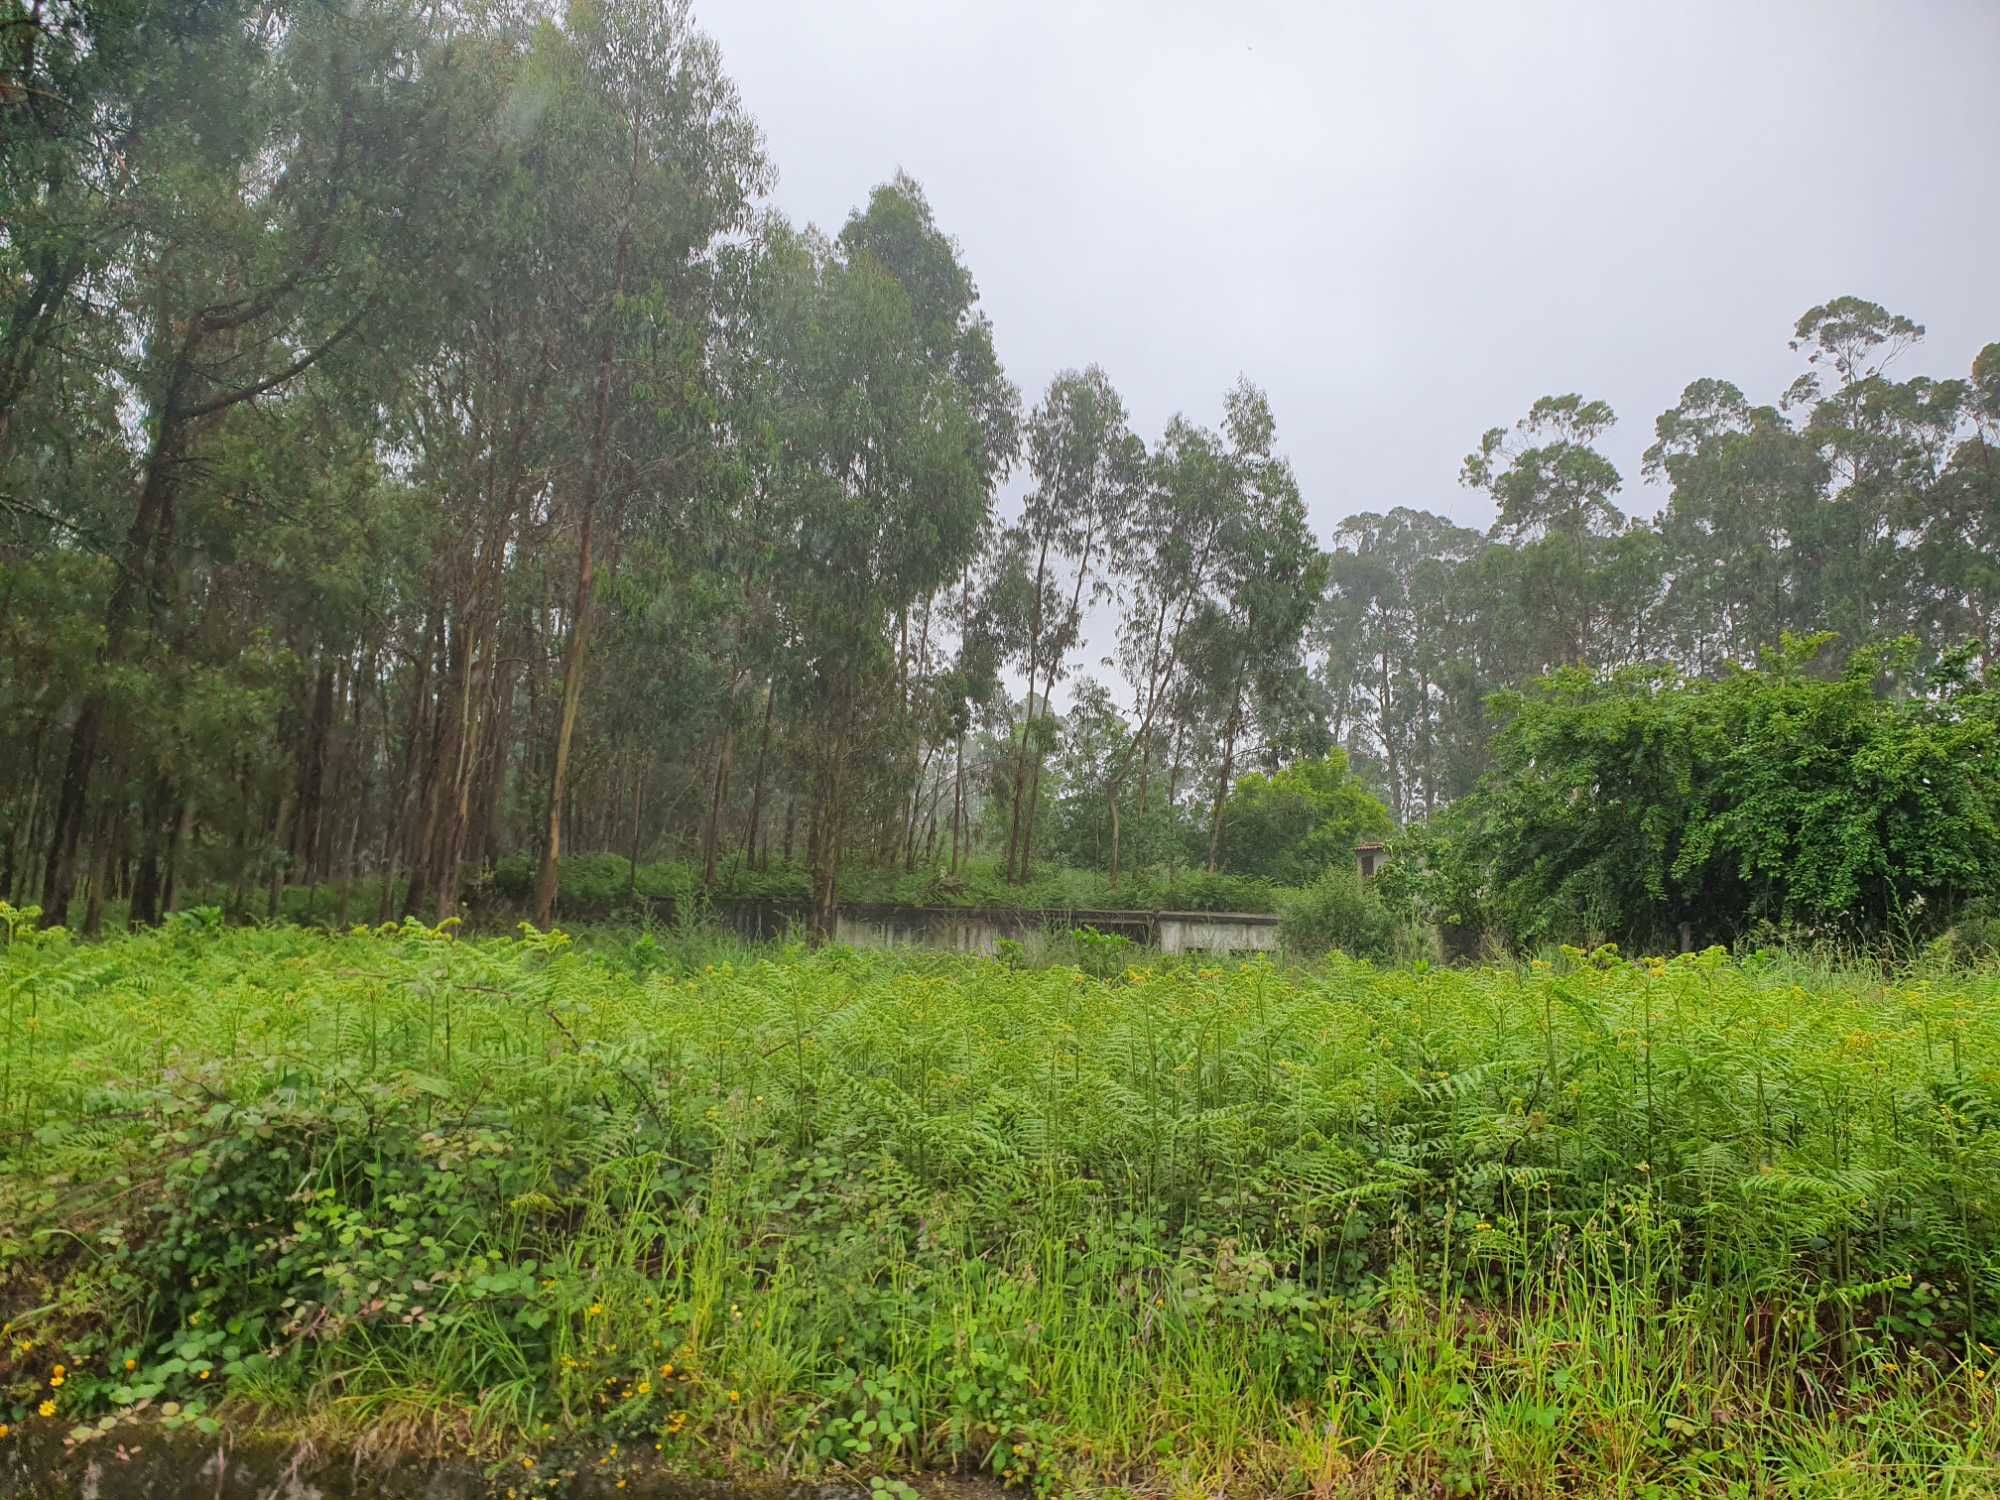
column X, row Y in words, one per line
column 429, row 808
column 572, row 695
column 19, row 852
column 239, row 890
column 1234, row 727
column 155, row 829
column 1014, row 834
column 757, row 779
column 829, row 825
column 917, row 785
column 958, row 804
column 579, row 625
column 1111, row 802
column 177, row 853
column 472, row 711
column 312, row 772
column 931, row 822
column 1034, row 804
column 98, row 878
column 711, row 834
column 638, row 782
column 145, row 553
column 1389, row 739
column 280, row 845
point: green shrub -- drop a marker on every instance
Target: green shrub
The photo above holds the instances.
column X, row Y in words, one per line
column 1340, row 911
column 1653, row 808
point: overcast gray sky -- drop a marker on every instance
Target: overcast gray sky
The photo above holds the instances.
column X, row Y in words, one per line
column 1408, row 221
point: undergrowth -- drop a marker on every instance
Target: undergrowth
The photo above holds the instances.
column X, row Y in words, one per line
column 1589, row 1227
column 593, row 887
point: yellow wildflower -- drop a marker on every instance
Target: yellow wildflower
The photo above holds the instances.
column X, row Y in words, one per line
column 735, row 1395
column 47, row 1408
column 131, row 1364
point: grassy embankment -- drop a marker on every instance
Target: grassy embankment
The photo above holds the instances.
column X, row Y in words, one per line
column 1589, row 1229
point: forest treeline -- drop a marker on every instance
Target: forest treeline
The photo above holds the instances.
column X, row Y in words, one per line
column 421, row 444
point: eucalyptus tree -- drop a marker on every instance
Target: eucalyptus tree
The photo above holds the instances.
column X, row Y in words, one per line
column 1269, row 577
column 281, row 203
column 1095, row 738
column 890, row 426
column 1085, row 461
column 1744, row 489
column 1398, row 628
column 659, row 161
column 1220, row 559
column 87, row 92
column 1552, row 490
column 1885, row 443
column 1955, row 525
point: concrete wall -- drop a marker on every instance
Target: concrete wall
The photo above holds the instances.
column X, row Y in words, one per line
column 917, row 928
column 1216, row 932
column 980, row 929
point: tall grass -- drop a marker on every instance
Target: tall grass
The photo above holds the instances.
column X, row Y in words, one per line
column 1586, row 1227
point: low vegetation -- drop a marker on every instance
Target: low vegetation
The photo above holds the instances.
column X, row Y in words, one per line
column 601, row 888
column 1713, row 1225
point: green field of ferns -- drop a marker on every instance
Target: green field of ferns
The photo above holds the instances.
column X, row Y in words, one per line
column 1590, row 1226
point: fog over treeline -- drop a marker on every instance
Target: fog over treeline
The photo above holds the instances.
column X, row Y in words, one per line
column 423, row 446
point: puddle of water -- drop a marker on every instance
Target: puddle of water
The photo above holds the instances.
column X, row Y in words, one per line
column 156, row 1465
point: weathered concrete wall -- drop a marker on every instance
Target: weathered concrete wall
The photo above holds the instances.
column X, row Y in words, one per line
column 917, row 928
column 980, row 930
column 1216, row 932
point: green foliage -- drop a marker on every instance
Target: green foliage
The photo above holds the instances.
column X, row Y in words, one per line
column 593, row 886
column 1635, row 805
column 602, row 885
column 1302, row 822
column 1341, row 912
column 1102, row 954
column 874, row 1214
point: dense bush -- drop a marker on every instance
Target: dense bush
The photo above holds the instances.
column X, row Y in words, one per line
column 1659, row 810
column 1292, row 826
column 1339, row 911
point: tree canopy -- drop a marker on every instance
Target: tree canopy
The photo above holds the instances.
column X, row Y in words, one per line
column 423, row 448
